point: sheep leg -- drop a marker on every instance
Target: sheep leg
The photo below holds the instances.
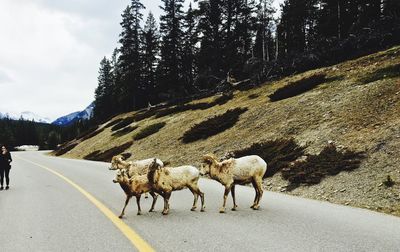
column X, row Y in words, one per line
column 138, row 204
column 233, row 197
column 195, row 196
column 167, row 195
column 227, row 189
column 154, row 201
column 253, row 182
column 260, row 193
column 202, row 199
column 123, row 209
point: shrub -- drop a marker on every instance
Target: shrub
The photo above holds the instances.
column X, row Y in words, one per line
column 383, row 73
column 171, row 110
column 124, row 131
column 328, row 163
column 213, row 125
column 123, row 123
column 253, row 96
column 65, row 148
column 92, row 134
column 126, row 155
column 298, row 87
column 108, row 154
column 87, row 132
column 149, row 130
column 92, row 156
column 278, row 153
column 389, row 181
column 112, row 123
column 224, row 98
column 144, row 114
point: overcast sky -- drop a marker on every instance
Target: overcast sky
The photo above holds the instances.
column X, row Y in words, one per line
column 50, row 51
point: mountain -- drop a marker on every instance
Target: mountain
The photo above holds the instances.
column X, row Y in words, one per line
column 75, row 116
column 26, row 115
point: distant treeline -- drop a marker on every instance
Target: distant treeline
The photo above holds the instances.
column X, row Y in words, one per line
column 192, row 52
column 47, row 136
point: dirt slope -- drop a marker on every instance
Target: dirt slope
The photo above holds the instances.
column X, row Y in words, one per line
column 357, row 107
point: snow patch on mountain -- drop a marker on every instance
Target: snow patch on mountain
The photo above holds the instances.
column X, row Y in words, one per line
column 85, row 114
column 27, row 116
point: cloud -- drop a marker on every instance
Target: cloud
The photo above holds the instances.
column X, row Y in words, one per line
column 53, row 49
column 4, row 77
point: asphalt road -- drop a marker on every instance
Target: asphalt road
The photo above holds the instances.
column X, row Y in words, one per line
column 43, row 212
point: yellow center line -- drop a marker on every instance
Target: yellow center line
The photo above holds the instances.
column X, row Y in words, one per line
column 132, row 236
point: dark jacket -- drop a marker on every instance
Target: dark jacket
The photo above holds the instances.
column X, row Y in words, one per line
column 5, row 160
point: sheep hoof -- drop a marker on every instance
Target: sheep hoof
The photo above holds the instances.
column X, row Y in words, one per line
column 193, row 209
column 222, row 210
column 120, row 216
column 146, row 197
column 139, row 213
column 202, row 210
column 164, row 213
column 256, row 207
column 234, row 209
column 151, row 210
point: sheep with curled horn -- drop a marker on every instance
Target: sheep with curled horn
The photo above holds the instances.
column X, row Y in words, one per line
column 133, row 168
column 134, row 186
column 165, row 180
column 247, row 169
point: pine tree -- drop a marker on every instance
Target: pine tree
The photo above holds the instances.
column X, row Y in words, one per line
column 297, row 29
column 391, row 8
column 210, row 56
column 190, row 40
column 170, row 66
column 103, row 95
column 264, row 44
column 117, row 83
column 150, row 52
column 130, row 57
column 240, row 26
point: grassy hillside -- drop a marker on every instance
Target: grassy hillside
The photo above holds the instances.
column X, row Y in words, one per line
column 355, row 106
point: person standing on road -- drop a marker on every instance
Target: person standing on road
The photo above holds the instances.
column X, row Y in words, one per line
column 5, row 166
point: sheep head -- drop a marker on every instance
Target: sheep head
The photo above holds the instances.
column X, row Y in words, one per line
column 119, row 176
column 208, row 161
column 115, row 161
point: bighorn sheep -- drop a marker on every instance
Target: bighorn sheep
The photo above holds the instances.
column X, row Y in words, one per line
column 134, row 186
column 236, row 171
column 137, row 167
column 164, row 180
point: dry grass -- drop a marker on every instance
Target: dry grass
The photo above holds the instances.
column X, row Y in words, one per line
column 125, row 131
column 108, row 154
column 63, row 149
column 149, row 130
column 362, row 118
column 391, row 71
